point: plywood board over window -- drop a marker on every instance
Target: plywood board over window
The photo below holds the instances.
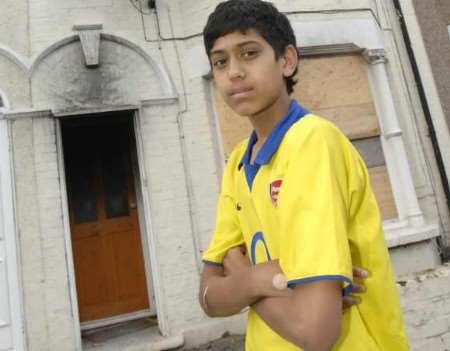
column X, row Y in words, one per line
column 336, row 88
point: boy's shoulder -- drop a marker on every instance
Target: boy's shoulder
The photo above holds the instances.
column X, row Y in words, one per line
column 313, row 128
column 313, row 123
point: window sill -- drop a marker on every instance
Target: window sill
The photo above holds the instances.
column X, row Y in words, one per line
column 399, row 233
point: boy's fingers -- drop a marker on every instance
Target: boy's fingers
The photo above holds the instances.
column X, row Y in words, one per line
column 359, row 272
column 234, row 251
column 358, row 288
column 350, row 300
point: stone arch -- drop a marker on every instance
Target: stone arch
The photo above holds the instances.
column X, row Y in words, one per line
column 126, row 75
column 14, row 81
column 20, row 61
column 4, row 102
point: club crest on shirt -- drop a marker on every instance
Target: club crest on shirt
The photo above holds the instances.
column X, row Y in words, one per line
column 274, row 189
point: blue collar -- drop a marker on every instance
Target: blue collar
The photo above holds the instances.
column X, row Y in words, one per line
column 270, row 146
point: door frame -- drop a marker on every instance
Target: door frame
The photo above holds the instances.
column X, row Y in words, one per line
column 147, row 237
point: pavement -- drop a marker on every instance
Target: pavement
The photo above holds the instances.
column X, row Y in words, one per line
column 226, row 343
column 143, row 334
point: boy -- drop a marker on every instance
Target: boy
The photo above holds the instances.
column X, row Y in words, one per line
column 296, row 197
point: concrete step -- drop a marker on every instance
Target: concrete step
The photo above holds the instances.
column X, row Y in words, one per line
column 138, row 335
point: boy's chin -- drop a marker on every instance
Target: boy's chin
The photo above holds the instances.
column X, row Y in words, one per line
column 244, row 110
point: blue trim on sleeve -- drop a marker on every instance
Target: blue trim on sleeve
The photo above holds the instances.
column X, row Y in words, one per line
column 270, row 146
column 345, row 291
column 212, row 263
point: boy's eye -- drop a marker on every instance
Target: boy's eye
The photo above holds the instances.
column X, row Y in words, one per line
column 247, row 54
column 219, row 63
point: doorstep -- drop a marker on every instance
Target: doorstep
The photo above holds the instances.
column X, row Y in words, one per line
column 138, row 335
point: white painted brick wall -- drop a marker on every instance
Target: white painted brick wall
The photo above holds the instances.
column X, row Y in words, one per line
column 56, row 288
column 51, row 20
column 13, row 19
column 14, row 83
column 49, row 322
column 170, row 216
column 29, row 234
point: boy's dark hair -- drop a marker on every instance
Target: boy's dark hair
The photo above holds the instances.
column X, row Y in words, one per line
column 262, row 16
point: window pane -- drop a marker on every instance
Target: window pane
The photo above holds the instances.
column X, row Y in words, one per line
column 115, row 185
column 81, row 175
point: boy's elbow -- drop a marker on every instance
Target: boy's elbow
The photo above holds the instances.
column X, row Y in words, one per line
column 316, row 338
column 206, row 309
column 212, row 312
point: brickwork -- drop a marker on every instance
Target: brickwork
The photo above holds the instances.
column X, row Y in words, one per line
column 46, row 290
column 14, row 18
column 167, row 192
column 14, row 84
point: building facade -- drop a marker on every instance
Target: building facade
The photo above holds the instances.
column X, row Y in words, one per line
column 113, row 141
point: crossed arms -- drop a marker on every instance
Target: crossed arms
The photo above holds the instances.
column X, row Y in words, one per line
column 308, row 315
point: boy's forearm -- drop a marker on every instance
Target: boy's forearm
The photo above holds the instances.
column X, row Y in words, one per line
column 229, row 294
column 222, row 296
column 275, row 311
column 311, row 325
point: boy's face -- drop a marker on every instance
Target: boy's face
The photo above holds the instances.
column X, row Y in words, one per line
column 246, row 73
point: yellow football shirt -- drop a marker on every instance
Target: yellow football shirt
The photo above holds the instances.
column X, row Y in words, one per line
column 307, row 201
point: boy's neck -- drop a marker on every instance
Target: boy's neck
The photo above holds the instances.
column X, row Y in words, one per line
column 264, row 121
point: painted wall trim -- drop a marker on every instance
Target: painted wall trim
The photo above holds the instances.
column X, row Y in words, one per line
column 88, row 111
column 7, row 205
column 28, row 113
column 399, row 233
column 158, row 290
column 68, row 238
column 162, row 100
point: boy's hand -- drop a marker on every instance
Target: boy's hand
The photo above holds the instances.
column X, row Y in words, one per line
column 236, row 261
column 359, row 275
column 258, row 278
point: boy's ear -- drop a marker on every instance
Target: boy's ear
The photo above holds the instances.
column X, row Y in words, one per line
column 290, row 60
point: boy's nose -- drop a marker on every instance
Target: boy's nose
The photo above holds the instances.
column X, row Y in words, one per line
column 235, row 70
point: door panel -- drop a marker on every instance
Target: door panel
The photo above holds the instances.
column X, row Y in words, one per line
column 106, row 240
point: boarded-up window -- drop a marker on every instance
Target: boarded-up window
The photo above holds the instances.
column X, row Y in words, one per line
column 336, row 88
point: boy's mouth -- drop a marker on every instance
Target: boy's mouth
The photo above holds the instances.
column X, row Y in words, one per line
column 240, row 92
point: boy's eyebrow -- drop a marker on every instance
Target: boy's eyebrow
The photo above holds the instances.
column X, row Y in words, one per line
column 238, row 45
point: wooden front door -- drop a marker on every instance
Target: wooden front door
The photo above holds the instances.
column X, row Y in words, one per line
column 106, row 241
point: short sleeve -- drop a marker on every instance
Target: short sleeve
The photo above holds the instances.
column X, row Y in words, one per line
column 313, row 208
column 227, row 233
